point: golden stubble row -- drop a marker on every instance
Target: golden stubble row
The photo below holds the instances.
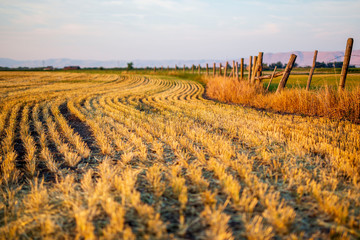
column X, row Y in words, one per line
column 171, row 165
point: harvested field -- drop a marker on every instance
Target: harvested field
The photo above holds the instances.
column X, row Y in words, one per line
column 91, row 156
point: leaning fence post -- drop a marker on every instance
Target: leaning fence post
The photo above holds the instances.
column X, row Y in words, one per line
column 250, row 68
column 272, row 76
column 346, row 63
column 220, row 72
column 286, row 74
column 214, row 70
column 311, row 71
column 242, row 69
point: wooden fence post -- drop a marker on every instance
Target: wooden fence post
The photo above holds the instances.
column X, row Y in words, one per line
column 254, row 72
column 237, row 70
column 214, row 70
column 286, row 74
column 242, row 69
column 311, row 71
column 192, row 69
column 272, row 76
column 199, row 69
column 226, row 67
column 253, row 67
column 260, row 61
column 233, row 68
column 168, row 68
column 207, row 69
column 220, row 72
column 154, row 69
column 250, row 68
column 184, row 68
column 346, row 62
column 175, row 67
column 257, row 67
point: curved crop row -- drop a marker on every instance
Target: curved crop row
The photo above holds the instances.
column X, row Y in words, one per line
column 127, row 157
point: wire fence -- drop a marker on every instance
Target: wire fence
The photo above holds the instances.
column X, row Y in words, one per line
column 336, row 73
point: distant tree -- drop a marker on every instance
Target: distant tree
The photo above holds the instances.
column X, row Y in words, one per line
column 265, row 67
column 329, row 64
column 130, row 65
column 320, row 65
column 278, row 65
column 338, row 64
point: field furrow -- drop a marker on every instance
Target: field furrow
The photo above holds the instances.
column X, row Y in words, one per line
column 96, row 156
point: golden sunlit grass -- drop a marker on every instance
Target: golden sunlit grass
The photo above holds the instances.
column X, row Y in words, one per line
column 95, row 156
column 324, row 102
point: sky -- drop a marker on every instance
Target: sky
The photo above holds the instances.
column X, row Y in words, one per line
column 173, row 29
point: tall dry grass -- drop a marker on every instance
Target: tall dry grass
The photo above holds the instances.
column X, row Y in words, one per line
column 325, row 102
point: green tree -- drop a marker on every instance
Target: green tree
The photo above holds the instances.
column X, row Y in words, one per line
column 278, row 65
column 130, row 65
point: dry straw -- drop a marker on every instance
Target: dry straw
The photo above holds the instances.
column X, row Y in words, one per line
column 325, row 102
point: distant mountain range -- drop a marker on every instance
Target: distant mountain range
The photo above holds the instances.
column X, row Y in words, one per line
column 303, row 59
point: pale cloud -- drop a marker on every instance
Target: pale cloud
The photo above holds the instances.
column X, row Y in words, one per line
column 131, row 15
column 171, row 5
column 107, row 29
column 266, row 29
column 114, row 3
column 67, row 30
column 271, row 28
column 239, row 18
column 281, row 18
